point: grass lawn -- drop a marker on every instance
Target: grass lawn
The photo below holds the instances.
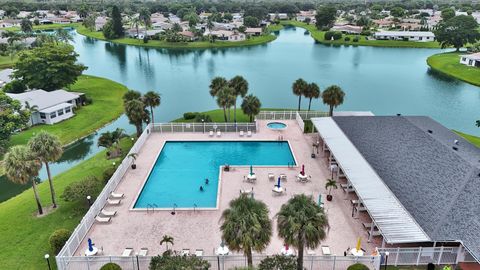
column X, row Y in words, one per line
column 320, row 37
column 472, row 139
column 27, row 236
column 6, row 61
column 45, row 26
column 449, row 64
column 217, row 115
column 180, row 45
column 107, row 105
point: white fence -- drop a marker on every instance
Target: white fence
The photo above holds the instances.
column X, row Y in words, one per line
column 420, row 255
column 289, row 115
column 204, row 127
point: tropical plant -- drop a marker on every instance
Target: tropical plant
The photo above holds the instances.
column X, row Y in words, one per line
column 58, row 239
column 46, row 148
column 225, row 100
column 251, row 106
column 333, row 96
column 26, row 26
column 111, row 266
column 312, row 91
column 63, row 35
column 246, row 226
column 217, row 84
column 166, row 239
column 31, row 109
column 175, row 262
column 278, row 262
column 144, row 15
column 131, row 95
column 240, row 88
column 152, row 99
column 302, row 223
column 111, row 140
column 298, row 89
column 133, row 156
column 137, row 114
column 331, row 183
column 135, row 22
column 21, row 167
column 12, row 118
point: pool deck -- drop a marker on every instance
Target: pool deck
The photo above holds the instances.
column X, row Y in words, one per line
column 200, row 229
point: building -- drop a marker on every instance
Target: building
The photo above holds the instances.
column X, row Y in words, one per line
column 347, row 29
column 279, row 16
column 100, row 22
column 253, row 31
column 417, row 180
column 419, row 36
column 51, row 107
column 472, row 60
column 188, row 34
column 224, row 35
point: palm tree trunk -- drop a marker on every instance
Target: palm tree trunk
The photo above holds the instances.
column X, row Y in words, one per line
column 50, row 182
column 37, row 198
column 309, row 104
column 151, row 112
column 251, row 118
column 331, row 110
column 300, row 255
column 299, row 99
column 225, row 113
column 229, row 114
column 235, row 112
column 139, row 129
column 249, row 258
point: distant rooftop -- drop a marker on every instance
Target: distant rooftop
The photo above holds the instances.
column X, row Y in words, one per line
column 44, row 99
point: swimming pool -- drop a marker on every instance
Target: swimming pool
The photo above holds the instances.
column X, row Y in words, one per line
column 276, row 125
column 182, row 167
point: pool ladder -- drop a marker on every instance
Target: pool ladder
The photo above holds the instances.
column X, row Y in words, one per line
column 151, row 206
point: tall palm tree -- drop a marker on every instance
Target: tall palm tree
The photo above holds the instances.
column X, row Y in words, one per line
column 135, row 22
column 144, row 15
column 152, row 99
column 217, row 84
column 312, row 91
column 240, row 88
column 31, row 109
column 246, row 226
column 251, row 106
column 166, row 239
column 298, row 89
column 333, row 96
column 21, row 167
column 112, row 139
column 46, row 148
column 131, row 94
column 302, row 223
column 137, row 114
column 225, row 100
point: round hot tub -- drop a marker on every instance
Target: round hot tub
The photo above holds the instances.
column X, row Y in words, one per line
column 277, row 125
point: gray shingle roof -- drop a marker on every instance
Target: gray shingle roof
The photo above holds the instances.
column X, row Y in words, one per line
column 439, row 186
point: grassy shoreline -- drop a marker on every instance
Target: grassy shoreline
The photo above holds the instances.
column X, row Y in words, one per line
column 449, row 64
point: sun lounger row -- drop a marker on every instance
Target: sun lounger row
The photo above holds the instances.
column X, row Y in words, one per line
column 105, row 216
column 211, row 133
column 249, row 133
column 129, row 252
column 186, row 252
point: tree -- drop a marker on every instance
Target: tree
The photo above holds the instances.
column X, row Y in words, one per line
column 137, row 114
column 225, row 100
column 302, row 223
column 78, row 191
column 15, row 86
column 144, row 15
column 152, row 99
column 26, row 26
column 457, row 32
column 46, row 148
column 48, row 67
column 246, row 226
column 83, row 11
column 174, row 262
column 216, row 84
column 298, row 88
column 89, row 22
column 447, row 14
column 63, row 35
column 250, row 21
column 325, row 16
column 12, row 118
column 397, row 12
column 333, row 96
column 251, row 106
column 117, row 24
column 331, row 183
column 131, row 95
column 111, row 140
column 166, row 239
column 240, row 88
column 176, row 28
column 21, row 167
column 135, row 22
column 107, row 30
column 312, row 91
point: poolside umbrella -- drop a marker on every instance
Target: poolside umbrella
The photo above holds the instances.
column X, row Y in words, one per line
column 278, row 183
column 303, row 170
column 90, row 245
column 251, row 170
column 358, row 247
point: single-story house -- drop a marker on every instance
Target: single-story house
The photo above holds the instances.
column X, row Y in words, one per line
column 472, row 60
column 188, row 34
column 420, row 36
column 223, row 26
column 5, row 76
column 100, row 22
column 162, row 25
column 347, row 29
column 51, row 107
column 257, row 31
column 280, row 16
column 225, row 35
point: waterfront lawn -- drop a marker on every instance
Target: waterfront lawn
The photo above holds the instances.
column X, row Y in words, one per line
column 45, row 26
column 180, row 45
column 26, row 236
column 472, row 139
column 6, row 61
column 319, row 36
column 449, row 64
column 217, row 115
column 107, row 105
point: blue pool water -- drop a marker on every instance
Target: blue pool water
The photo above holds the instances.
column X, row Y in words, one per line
column 276, row 125
column 182, row 167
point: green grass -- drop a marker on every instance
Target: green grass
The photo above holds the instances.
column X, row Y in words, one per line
column 319, row 36
column 6, row 61
column 449, row 64
column 45, row 26
column 180, row 45
column 25, row 236
column 275, row 27
column 107, row 105
column 217, row 115
column 472, row 139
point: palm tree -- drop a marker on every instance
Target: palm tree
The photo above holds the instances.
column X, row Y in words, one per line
column 166, row 239
column 240, row 88
column 333, row 96
column 135, row 22
column 46, row 148
column 331, row 183
column 152, row 99
column 246, row 226
column 21, row 167
column 225, row 99
column 312, row 91
column 217, row 84
column 131, row 95
column 137, row 114
column 144, row 15
column 31, row 109
column 111, row 140
column 302, row 223
column 251, row 106
column 298, row 89
column 63, row 35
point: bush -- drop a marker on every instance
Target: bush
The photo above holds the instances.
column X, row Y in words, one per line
column 356, row 39
column 178, row 262
column 189, row 115
column 78, row 191
column 358, row 266
column 206, row 118
column 145, row 39
column 111, row 266
column 366, row 33
column 347, row 39
column 15, row 86
column 87, row 100
column 58, row 239
column 337, row 35
column 278, row 262
column 333, row 34
column 107, row 174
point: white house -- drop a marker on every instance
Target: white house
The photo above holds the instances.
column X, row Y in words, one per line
column 280, row 16
column 51, row 107
column 472, row 60
column 100, row 22
column 225, row 35
column 419, row 36
column 347, row 29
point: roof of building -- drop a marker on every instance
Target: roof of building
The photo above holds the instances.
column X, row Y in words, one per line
column 253, row 30
column 56, row 107
column 43, row 99
column 5, row 75
column 432, row 171
column 473, row 56
column 405, row 33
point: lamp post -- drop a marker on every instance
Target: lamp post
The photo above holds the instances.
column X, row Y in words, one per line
column 203, row 122
column 89, row 199
column 138, row 265
column 386, row 259
column 113, row 164
column 48, row 261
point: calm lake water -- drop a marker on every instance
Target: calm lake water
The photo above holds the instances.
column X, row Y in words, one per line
column 385, row 81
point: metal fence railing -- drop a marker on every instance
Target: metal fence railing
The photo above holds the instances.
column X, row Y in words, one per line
column 204, row 127
column 289, row 115
column 420, row 255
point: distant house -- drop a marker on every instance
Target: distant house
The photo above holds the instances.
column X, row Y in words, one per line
column 52, row 107
column 302, row 16
column 419, row 36
column 254, row 31
column 347, row 29
column 100, row 22
column 232, row 36
column 472, row 60
column 280, row 16
column 188, row 34
column 162, row 25
column 223, row 26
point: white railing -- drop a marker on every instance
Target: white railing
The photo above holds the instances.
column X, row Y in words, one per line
column 300, row 122
column 420, row 255
column 204, row 127
column 289, row 115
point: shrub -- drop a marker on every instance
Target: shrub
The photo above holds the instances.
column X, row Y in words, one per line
column 78, row 191
column 178, row 262
column 278, row 262
column 111, row 266
column 356, row 39
column 337, row 35
column 107, row 174
column 58, row 239
column 329, row 35
column 358, row 266
column 347, row 39
column 15, row 86
column 366, row 33
column 206, row 118
column 145, row 39
column 189, row 115
column 87, row 100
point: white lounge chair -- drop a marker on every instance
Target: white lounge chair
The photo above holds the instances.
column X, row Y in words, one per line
column 199, row 252
column 326, row 250
column 185, row 252
column 246, row 191
column 249, row 133
column 311, row 252
column 127, row 252
column 107, row 213
column 143, row 252
column 219, row 133
column 271, row 177
column 113, row 202
column 102, row 219
column 116, row 195
column 241, row 133
column 283, row 177
column 210, row 134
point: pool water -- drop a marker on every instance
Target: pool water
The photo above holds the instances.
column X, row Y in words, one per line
column 182, row 167
column 276, row 125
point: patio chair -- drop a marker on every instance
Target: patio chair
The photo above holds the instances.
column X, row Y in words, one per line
column 116, row 195
column 185, row 252
column 127, row 252
column 326, row 250
column 199, row 252
column 241, row 133
column 107, row 213
column 113, row 202
column 283, row 177
column 271, row 177
column 246, row 191
column 219, row 133
column 311, row 252
column 249, row 133
column 210, row 134
column 102, row 219
column 143, row 252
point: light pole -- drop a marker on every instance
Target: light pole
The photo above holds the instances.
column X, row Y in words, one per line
column 386, row 259
column 203, row 122
column 48, row 261
column 113, row 164
column 89, row 199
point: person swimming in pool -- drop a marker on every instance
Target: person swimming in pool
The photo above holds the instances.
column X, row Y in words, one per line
column 206, row 181
column 201, row 188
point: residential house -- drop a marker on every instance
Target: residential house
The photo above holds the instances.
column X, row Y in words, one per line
column 279, row 16
column 472, row 60
column 188, row 34
column 257, row 31
column 100, row 22
column 347, row 29
column 162, row 25
column 420, row 36
column 223, row 26
column 233, row 36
